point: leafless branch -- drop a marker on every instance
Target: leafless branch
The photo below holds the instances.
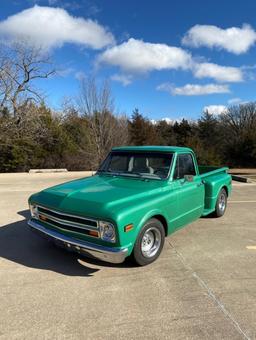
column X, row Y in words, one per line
column 106, row 129
column 20, row 65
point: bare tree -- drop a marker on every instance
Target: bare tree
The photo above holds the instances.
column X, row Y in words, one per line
column 241, row 118
column 20, row 65
column 105, row 128
column 238, row 127
column 95, row 98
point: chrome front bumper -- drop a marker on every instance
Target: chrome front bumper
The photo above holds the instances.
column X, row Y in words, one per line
column 112, row 255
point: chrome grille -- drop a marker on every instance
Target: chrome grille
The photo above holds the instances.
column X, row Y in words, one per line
column 68, row 222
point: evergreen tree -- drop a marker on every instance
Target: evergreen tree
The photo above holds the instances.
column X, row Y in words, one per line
column 141, row 130
column 208, row 127
column 165, row 133
column 183, row 131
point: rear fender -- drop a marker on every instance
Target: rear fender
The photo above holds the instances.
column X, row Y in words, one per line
column 213, row 187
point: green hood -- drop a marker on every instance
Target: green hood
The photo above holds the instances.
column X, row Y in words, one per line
column 97, row 196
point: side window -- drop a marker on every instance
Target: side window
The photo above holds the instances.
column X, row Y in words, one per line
column 184, row 166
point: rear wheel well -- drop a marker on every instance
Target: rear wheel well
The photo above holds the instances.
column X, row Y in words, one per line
column 226, row 189
column 162, row 219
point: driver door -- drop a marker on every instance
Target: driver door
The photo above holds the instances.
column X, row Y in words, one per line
column 190, row 193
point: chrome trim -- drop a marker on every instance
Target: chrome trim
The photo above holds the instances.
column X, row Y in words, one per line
column 112, row 255
column 70, row 215
column 151, row 242
column 79, row 230
column 222, row 202
column 65, row 222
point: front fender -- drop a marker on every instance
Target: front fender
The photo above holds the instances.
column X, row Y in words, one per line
column 148, row 216
column 138, row 213
column 129, row 238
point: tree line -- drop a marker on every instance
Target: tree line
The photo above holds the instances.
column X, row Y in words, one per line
column 38, row 137
column 79, row 136
column 226, row 139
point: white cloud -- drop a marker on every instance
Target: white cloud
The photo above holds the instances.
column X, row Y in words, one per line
column 153, row 121
column 193, row 89
column 234, row 101
column 122, row 78
column 218, row 72
column 234, row 39
column 137, row 56
column 215, row 109
column 80, row 75
column 168, row 120
column 65, row 72
column 52, row 27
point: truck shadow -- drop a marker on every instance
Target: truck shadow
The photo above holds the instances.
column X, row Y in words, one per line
column 20, row 245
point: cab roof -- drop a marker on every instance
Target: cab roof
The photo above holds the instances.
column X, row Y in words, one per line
column 156, row 148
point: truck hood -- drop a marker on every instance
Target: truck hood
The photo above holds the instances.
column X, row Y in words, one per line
column 97, row 196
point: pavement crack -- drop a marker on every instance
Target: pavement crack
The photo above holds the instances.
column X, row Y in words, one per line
column 210, row 293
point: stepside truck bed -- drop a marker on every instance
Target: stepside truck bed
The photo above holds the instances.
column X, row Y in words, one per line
column 212, row 180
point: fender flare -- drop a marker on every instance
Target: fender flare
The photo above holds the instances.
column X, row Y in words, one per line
column 148, row 216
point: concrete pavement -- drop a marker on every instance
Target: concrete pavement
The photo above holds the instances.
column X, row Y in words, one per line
column 202, row 287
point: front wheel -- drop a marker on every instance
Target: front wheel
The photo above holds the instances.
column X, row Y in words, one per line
column 149, row 243
column 221, row 203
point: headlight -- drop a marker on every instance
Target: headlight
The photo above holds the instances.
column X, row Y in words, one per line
column 33, row 210
column 107, row 231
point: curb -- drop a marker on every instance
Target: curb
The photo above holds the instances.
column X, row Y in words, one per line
column 35, row 171
column 241, row 179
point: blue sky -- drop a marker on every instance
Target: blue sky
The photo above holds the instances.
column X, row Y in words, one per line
column 167, row 58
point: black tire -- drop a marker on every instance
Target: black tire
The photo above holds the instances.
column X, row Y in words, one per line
column 221, row 203
column 153, row 231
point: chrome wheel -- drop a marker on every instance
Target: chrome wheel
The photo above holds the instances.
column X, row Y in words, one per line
column 222, row 202
column 150, row 242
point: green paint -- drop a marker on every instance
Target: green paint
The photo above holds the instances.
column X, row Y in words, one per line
column 123, row 200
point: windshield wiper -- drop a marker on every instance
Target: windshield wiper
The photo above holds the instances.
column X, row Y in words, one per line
column 110, row 173
column 139, row 174
column 120, row 173
column 129, row 174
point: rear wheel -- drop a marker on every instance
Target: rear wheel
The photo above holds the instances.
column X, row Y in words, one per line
column 221, row 203
column 149, row 243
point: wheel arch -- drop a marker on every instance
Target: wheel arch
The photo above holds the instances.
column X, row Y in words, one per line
column 163, row 220
column 225, row 188
column 157, row 215
column 221, row 187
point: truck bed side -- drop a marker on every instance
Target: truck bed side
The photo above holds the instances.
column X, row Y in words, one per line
column 214, row 178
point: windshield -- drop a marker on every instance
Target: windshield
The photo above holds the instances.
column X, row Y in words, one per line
column 143, row 164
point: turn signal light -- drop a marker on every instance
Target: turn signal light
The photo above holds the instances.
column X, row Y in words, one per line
column 43, row 218
column 128, row 227
column 93, row 233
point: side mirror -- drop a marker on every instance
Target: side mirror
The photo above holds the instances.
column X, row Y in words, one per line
column 189, row 178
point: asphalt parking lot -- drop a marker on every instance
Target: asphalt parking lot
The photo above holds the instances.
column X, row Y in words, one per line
column 202, row 287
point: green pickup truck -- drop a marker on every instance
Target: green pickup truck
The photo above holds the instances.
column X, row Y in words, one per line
column 139, row 195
